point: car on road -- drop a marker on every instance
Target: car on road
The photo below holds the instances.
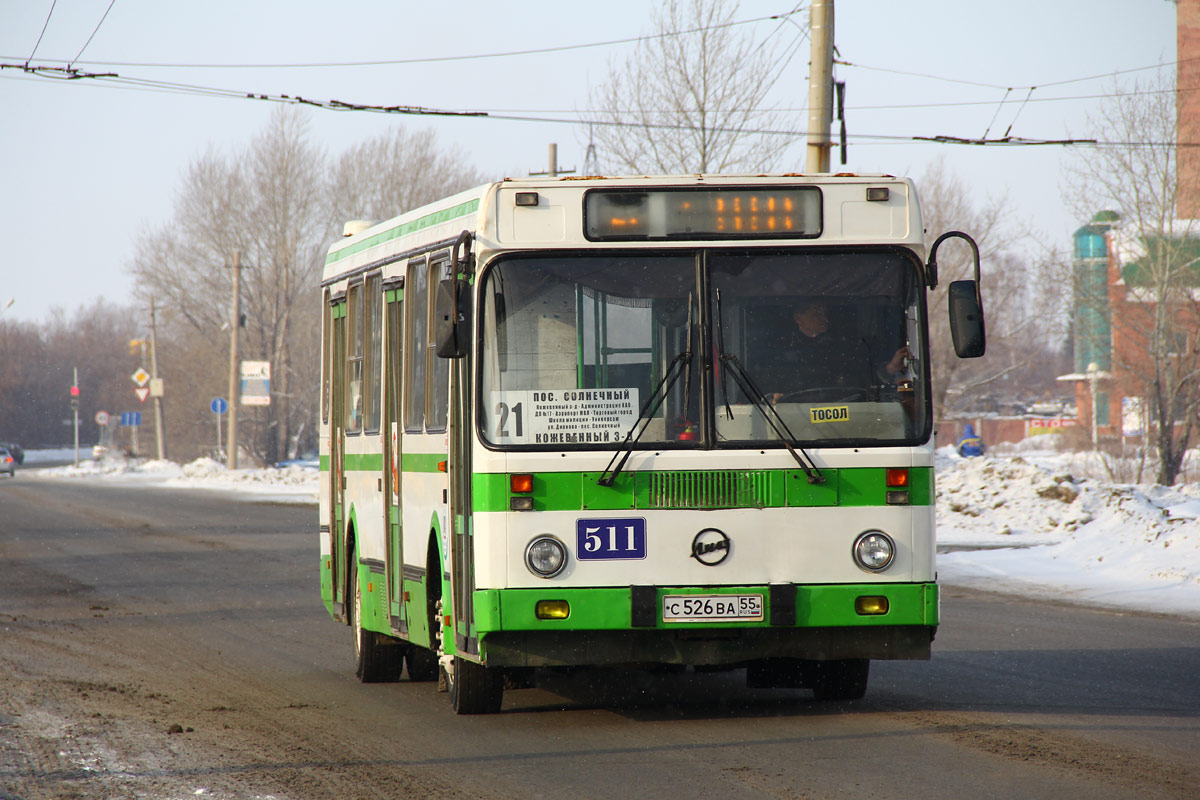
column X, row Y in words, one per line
column 8, row 462
column 15, row 451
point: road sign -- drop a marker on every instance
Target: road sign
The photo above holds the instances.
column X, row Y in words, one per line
column 219, row 405
column 256, row 383
column 101, row 418
column 142, row 392
column 131, row 419
column 140, row 377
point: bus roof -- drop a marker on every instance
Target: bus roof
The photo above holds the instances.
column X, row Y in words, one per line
column 490, row 213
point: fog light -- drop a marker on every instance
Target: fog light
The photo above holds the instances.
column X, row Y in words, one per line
column 873, row 550
column 871, row 605
column 545, row 556
column 552, row 609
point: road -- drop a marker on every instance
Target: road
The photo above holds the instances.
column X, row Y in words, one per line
column 163, row 644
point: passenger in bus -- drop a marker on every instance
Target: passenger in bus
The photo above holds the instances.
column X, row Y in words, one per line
column 817, row 363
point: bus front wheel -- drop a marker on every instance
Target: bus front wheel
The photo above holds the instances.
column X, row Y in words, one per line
column 474, row 688
column 840, row 680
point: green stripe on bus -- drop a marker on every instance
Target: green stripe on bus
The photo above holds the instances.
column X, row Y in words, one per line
column 579, row 491
column 422, row 462
column 427, row 221
column 373, row 462
column 609, row 608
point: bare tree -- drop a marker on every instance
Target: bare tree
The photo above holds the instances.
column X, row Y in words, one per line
column 394, row 172
column 1020, row 313
column 279, row 201
column 1134, row 172
column 38, row 364
column 266, row 203
column 689, row 102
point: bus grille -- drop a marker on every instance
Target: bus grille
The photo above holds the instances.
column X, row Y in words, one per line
column 702, row 490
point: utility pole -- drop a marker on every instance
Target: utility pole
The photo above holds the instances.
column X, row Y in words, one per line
column 820, row 85
column 234, row 373
column 160, row 441
column 75, row 409
column 553, row 170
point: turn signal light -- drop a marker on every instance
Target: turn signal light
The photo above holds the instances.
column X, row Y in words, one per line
column 520, row 484
column 552, row 609
column 897, row 477
column 871, row 605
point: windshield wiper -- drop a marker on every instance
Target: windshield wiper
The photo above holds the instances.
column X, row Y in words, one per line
column 653, row 403
column 681, row 364
column 742, row 378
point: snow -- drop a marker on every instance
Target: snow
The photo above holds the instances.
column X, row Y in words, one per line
column 290, row 484
column 1047, row 530
column 1031, row 522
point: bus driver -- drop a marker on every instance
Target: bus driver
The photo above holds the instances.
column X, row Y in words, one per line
column 815, row 358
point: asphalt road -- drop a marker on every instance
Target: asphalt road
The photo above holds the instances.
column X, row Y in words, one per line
column 158, row 643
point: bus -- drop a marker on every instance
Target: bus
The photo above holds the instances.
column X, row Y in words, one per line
column 587, row 422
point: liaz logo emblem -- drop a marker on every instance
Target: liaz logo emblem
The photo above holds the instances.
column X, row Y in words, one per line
column 710, row 547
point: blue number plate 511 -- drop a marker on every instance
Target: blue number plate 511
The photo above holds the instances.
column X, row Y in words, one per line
column 608, row 539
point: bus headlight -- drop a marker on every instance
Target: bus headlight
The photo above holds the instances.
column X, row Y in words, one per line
column 874, row 550
column 545, row 556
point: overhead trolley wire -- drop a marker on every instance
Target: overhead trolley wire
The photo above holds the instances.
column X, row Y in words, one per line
column 427, row 59
column 94, row 31
column 45, row 25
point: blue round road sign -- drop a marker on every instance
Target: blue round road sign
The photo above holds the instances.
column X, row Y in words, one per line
column 218, row 405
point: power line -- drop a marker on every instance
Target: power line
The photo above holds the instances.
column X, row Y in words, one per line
column 45, row 25
column 94, row 30
column 427, row 59
column 1043, row 85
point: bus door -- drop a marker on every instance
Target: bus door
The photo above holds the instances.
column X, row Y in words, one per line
column 452, row 404
column 393, row 448
column 337, row 442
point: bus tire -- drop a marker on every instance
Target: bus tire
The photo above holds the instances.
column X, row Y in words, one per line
column 422, row 664
column 840, row 680
column 374, row 662
column 475, row 689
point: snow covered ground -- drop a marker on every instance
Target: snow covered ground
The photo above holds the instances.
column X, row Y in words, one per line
column 1028, row 523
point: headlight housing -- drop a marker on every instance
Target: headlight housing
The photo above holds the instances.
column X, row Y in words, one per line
column 874, row 550
column 546, row 556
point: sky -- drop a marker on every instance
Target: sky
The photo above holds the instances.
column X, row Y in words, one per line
column 86, row 166
column 1036, row 522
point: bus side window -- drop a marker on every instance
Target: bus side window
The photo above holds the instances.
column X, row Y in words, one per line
column 326, row 371
column 354, row 359
column 437, row 394
column 416, row 321
column 373, row 352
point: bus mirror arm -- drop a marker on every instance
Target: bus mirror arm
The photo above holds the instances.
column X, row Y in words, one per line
column 450, row 317
column 964, row 301
column 453, row 298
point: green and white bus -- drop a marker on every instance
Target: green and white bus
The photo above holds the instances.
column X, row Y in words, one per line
column 581, row 422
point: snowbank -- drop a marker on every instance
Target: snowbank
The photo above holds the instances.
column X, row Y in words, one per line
column 1021, row 523
column 1051, row 533
column 290, row 484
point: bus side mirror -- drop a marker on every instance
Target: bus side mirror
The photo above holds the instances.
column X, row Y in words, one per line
column 451, row 329
column 966, row 319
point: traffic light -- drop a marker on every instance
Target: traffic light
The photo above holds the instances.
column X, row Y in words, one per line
column 74, row 398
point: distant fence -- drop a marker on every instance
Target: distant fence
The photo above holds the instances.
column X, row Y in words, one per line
column 994, row 430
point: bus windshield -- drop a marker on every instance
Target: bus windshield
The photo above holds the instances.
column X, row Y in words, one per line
column 746, row 348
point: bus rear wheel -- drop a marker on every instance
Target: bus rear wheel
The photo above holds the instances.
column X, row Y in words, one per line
column 474, row 688
column 374, row 661
column 840, row 680
column 422, row 664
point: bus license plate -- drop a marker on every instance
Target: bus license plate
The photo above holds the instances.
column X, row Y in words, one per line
column 712, row 607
